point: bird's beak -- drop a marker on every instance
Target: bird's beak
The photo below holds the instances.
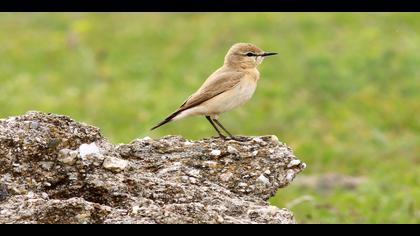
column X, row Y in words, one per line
column 268, row 54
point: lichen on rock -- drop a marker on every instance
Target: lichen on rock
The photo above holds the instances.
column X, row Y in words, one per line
column 56, row 170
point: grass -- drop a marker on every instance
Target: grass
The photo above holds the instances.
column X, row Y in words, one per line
column 344, row 91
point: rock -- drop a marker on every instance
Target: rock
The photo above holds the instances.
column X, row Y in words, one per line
column 215, row 152
column 293, row 163
column 290, row 175
column 210, row 164
column 274, row 139
column 135, row 210
column 88, row 149
column 115, row 164
column 232, row 150
column 242, row 184
column 226, row 176
column 67, row 156
column 57, row 170
column 3, row 192
column 262, row 179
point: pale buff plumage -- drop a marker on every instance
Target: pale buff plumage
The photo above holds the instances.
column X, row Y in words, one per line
column 227, row 88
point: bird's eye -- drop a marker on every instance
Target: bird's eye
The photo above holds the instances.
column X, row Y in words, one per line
column 250, row 54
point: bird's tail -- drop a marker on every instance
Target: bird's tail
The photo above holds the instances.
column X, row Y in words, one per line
column 167, row 119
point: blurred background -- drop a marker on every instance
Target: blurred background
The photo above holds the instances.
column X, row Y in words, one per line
column 344, row 92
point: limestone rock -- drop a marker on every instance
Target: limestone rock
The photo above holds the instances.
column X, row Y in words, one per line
column 115, row 164
column 56, row 170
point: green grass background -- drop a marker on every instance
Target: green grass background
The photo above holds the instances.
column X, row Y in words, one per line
column 344, row 91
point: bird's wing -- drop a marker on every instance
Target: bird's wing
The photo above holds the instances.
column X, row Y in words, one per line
column 215, row 85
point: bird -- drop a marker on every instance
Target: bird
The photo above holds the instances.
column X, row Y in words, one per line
column 227, row 88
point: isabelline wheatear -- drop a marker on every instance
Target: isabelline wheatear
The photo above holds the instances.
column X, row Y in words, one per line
column 227, row 88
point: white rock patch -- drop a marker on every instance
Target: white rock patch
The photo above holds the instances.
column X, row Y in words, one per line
column 215, row 152
column 67, row 156
column 232, row 150
column 115, row 164
column 264, row 180
column 293, row 163
column 88, row 149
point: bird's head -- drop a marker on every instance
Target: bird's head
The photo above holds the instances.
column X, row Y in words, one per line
column 245, row 56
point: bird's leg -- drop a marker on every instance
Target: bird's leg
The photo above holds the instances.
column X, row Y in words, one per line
column 240, row 139
column 215, row 127
column 221, row 126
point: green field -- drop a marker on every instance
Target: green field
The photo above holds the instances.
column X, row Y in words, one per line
column 344, row 92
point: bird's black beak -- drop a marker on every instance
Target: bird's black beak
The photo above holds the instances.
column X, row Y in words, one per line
column 268, row 54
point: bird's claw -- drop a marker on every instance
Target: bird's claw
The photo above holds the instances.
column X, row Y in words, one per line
column 238, row 138
column 221, row 136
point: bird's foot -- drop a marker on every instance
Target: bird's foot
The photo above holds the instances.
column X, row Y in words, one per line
column 238, row 138
column 234, row 138
column 221, row 136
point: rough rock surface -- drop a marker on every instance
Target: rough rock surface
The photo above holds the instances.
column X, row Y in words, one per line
column 56, row 170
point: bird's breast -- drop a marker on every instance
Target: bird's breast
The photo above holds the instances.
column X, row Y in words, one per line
column 232, row 98
column 245, row 89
